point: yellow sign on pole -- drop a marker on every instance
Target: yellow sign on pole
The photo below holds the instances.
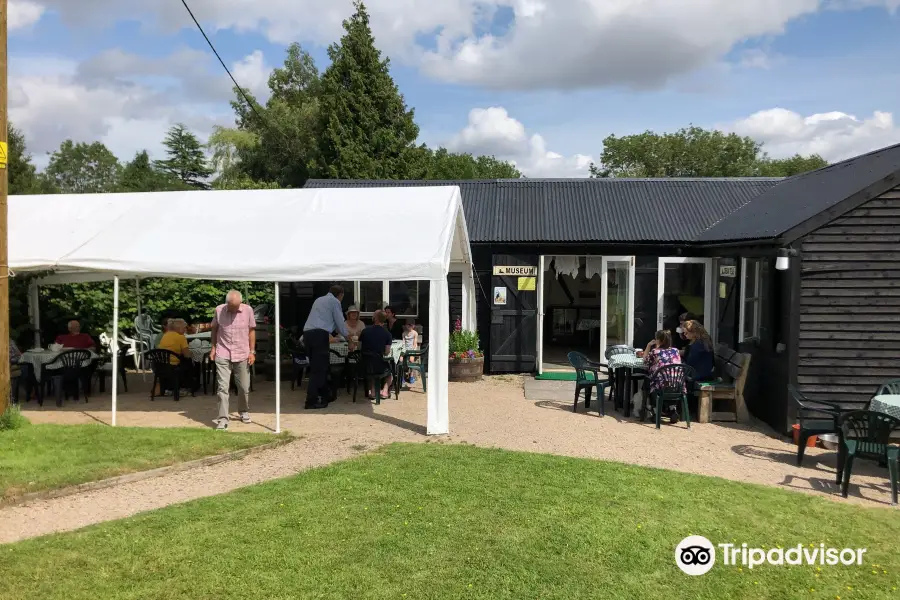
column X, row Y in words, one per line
column 527, row 284
column 3, row 155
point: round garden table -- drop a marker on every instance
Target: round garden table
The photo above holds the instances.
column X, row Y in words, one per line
column 887, row 404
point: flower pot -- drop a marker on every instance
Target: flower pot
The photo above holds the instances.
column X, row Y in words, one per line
column 810, row 443
column 466, row 369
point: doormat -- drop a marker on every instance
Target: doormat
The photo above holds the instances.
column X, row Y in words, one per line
column 558, row 376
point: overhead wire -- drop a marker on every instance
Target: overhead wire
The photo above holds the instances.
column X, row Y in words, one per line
column 240, row 89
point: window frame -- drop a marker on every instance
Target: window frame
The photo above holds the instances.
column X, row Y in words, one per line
column 386, row 295
column 755, row 298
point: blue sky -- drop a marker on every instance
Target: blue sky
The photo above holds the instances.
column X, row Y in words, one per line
column 556, row 80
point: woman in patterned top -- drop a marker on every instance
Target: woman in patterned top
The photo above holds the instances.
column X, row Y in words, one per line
column 658, row 354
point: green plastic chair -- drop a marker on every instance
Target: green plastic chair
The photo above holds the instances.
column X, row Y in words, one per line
column 584, row 366
column 420, row 366
column 866, row 434
column 672, row 382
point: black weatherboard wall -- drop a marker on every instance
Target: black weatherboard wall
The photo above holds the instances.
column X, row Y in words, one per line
column 850, row 303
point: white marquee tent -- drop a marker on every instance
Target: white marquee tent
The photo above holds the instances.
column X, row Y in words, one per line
column 257, row 235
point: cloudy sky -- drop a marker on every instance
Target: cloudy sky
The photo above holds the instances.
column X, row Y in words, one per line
column 537, row 82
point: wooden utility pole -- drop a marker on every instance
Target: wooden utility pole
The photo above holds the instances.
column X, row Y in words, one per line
column 4, row 190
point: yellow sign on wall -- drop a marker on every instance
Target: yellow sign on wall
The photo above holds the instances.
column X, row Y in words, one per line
column 527, row 284
column 3, row 155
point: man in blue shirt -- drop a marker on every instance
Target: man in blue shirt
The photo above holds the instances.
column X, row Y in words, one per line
column 325, row 317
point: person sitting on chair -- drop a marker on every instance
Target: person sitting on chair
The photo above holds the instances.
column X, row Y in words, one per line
column 175, row 341
column 377, row 340
column 75, row 339
column 658, row 354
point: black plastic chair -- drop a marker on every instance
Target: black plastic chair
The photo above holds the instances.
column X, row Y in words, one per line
column 671, row 381
column 166, row 374
column 583, row 365
column 372, row 368
column 104, row 368
column 66, row 372
column 815, row 417
column 299, row 364
column 866, row 434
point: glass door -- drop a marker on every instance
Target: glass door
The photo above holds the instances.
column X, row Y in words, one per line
column 617, row 323
column 685, row 285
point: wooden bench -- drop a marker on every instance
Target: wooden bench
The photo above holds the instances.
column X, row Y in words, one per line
column 732, row 368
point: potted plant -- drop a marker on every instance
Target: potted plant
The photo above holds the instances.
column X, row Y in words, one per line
column 466, row 359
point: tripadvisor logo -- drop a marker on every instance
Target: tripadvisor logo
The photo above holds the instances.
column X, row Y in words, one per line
column 696, row 555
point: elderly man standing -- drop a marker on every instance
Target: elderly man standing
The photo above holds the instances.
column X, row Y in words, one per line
column 233, row 339
column 325, row 317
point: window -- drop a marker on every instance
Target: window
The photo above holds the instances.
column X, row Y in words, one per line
column 371, row 296
column 349, row 294
column 752, row 271
column 404, row 297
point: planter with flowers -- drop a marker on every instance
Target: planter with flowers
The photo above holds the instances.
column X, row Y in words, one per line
column 466, row 359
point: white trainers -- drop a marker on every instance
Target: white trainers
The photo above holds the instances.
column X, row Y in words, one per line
column 245, row 417
column 222, row 424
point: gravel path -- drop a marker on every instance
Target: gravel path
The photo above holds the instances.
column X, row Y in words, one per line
column 493, row 413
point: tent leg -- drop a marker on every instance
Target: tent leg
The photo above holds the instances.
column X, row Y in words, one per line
column 115, row 348
column 34, row 310
column 438, row 418
column 277, row 358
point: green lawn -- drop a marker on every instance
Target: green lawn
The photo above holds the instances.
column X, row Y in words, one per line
column 439, row 521
column 40, row 457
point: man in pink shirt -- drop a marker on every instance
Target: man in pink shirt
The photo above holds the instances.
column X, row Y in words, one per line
column 233, row 350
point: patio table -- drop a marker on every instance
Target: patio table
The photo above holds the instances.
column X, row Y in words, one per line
column 39, row 358
column 887, row 404
column 342, row 348
column 203, row 335
column 624, row 367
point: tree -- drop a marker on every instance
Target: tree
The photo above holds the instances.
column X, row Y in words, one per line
column 186, row 160
column 365, row 128
column 442, row 164
column 83, row 168
column 23, row 178
column 226, row 146
column 141, row 175
column 786, row 167
column 692, row 152
column 280, row 137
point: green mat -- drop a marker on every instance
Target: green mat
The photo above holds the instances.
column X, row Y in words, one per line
column 558, row 376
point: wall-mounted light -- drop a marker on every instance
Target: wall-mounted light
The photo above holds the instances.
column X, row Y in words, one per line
column 783, row 262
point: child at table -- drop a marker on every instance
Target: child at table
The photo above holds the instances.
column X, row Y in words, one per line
column 410, row 342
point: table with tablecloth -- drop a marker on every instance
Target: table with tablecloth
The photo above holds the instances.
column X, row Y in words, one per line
column 342, row 349
column 38, row 358
column 888, row 404
column 625, row 366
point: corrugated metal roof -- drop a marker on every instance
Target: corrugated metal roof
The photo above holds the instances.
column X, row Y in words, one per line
column 591, row 210
column 800, row 198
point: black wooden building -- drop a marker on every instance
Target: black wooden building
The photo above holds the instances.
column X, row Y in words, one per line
column 615, row 259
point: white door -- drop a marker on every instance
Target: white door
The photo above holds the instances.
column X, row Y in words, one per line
column 685, row 285
column 540, row 315
column 617, row 285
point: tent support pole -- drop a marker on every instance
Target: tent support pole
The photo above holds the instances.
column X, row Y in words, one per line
column 115, row 348
column 34, row 310
column 277, row 358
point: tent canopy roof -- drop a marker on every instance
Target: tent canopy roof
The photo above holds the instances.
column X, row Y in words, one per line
column 252, row 235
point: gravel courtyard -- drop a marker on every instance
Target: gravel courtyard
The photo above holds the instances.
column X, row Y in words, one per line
column 492, row 413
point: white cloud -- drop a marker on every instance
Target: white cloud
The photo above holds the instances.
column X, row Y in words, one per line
column 493, row 131
column 833, row 135
column 560, row 44
column 23, row 13
column 126, row 101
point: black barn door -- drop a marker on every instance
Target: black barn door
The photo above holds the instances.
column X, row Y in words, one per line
column 513, row 324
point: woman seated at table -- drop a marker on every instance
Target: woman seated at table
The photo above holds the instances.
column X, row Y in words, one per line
column 700, row 354
column 354, row 326
column 660, row 353
column 175, row 341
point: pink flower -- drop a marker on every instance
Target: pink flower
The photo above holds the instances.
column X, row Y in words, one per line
column 457, row 326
